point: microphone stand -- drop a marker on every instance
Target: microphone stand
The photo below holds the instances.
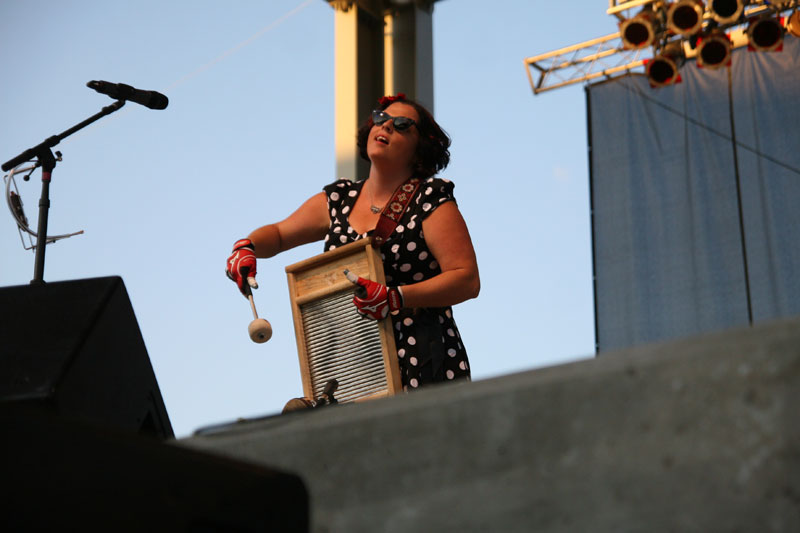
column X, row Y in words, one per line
column 45, row 159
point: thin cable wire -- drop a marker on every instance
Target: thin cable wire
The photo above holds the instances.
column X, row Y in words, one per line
column 710, row 129
column 19, row 216
column 266, row 29
column 180, row 81
column 271, row 26
column 739, row 200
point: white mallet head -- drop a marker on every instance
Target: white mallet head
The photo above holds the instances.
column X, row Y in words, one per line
column 260, row 330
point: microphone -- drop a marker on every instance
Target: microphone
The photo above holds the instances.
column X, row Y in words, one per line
column 120, row 91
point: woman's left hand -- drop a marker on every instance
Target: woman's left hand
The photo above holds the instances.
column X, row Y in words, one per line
column 374, row 300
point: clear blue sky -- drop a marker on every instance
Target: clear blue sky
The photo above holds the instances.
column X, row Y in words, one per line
column 248, row 135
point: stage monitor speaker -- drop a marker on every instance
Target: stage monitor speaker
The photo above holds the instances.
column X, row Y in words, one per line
column 74, row 348
column 65, row 475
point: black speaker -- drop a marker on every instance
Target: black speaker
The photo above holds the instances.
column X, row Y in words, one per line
column 74, row 349
column 67, row 475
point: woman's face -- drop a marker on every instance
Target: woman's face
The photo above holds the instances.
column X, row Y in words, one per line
column 387, row 145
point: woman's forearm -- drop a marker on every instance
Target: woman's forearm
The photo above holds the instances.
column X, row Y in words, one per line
column 267, row 241
column 308, row 223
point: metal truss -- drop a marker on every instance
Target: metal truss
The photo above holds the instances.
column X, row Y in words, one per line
column 606, row 57
column 600, row 57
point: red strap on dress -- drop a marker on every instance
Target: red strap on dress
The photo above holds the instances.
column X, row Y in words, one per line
column 394, row 211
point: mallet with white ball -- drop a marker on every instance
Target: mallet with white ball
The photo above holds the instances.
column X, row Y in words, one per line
column 259, row 329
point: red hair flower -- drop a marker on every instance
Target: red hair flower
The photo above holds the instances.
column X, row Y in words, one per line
column 388, row 100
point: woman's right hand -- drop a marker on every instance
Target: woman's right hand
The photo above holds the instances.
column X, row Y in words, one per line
column 241, row 265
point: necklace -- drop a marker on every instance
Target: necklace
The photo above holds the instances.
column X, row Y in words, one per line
column 374, row 208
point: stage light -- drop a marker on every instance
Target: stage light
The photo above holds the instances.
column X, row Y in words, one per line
column 714, row 50
column 726, row 11
column 638, row 31
column 765, row 34
column 662, row 70
column 793, row 24
column 685, row 17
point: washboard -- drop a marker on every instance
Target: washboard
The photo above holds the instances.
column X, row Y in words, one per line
column 333, row 340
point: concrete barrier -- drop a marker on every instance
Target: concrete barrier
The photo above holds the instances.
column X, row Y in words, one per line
column 701, row 434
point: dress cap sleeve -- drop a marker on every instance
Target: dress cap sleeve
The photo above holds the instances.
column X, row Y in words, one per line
column 434, row 192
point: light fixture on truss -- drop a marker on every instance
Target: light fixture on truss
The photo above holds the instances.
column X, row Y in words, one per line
column 765, row 34
column 726, row 11
column 714, row 50
column 685, row 17
column 640, row 30
column 664, row 68
column 754, row 23
column 793, row 24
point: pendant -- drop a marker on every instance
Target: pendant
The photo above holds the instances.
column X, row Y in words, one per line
column 375, row 209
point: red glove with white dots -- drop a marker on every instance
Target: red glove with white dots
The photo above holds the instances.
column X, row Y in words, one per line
column 374, row 300
column 241, row 265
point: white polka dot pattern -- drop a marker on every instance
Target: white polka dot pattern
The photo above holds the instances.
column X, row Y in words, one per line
column 428, row 345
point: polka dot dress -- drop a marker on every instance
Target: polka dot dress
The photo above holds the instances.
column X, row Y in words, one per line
column 429, row 347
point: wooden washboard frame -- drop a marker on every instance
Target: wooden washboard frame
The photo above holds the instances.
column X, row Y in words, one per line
column 333, row 341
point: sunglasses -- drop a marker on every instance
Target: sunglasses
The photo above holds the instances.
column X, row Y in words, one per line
column 399, row 123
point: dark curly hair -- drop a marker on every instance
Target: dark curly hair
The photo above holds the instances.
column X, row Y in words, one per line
column 432, row 151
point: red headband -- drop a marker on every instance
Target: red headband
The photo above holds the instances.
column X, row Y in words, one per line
column 387, row 100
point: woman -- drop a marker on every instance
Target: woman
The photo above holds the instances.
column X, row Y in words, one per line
column 428, row 258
